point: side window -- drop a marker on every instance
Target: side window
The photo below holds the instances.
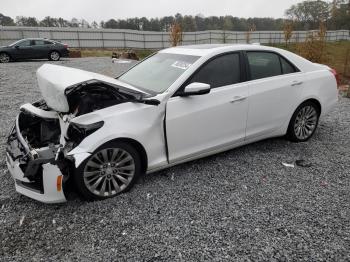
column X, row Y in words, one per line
column 263, row 64
column 39, row 42
column 48, row 43
column 221, row 71
column 287, row 68
column 24, row 43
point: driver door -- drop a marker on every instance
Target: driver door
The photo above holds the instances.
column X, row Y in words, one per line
column 24, row 50
column 202, row 123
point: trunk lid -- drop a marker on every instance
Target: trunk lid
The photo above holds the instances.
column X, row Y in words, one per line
column 53, row 80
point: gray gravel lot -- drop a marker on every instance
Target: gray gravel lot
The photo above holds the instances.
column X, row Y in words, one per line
column 239, row 205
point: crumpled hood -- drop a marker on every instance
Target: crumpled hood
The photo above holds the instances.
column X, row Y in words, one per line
column 53, row 80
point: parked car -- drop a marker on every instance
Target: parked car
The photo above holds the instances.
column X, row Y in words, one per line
column 33, row 48
column 177, row 105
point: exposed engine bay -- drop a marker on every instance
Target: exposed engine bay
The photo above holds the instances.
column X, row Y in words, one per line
column 87, row 98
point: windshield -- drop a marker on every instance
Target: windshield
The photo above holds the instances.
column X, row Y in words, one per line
column 15, row 43
column 158, row 72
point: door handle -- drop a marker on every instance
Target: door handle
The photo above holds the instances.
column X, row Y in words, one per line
column 238, row 99
column 296, row 83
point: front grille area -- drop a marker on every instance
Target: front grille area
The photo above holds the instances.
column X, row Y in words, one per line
column 31, row 169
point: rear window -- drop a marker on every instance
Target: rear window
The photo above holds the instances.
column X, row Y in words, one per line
column 287, row 67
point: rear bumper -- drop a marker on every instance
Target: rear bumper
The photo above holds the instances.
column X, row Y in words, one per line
column 65, row 53
column 34, row 172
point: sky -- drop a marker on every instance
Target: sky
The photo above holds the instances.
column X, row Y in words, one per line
column 97, row 10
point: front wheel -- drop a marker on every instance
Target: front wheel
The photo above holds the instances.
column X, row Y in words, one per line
column 4, row 58
column 110, row 170
column 54, row 56
column 303, row 122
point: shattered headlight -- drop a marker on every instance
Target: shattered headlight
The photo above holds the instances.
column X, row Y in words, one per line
column 77, row 132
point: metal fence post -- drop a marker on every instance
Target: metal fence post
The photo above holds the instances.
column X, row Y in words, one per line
column 78, row 38
column 103, row 40
column 163, row 43
column 144, row 40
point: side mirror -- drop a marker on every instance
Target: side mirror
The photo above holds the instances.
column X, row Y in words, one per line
column 196, row 89
column 16, row 46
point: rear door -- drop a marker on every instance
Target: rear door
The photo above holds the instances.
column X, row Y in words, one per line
column 41, row 49
column 274, row 89
column 201, row 123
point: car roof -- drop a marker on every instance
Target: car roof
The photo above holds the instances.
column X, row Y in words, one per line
column 44, row 39
column 207, row 49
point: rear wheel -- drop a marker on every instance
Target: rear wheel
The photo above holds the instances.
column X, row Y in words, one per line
column 304, row 122
column 4, row 58
column 54, row 56
column 110, row 170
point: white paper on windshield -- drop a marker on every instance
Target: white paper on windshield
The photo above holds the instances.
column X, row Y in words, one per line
column 181, row 64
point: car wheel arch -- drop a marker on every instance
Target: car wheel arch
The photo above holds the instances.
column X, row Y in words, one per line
column 137, row 145
column 54, row 50
column 310, row 99
column 7, row 53
column 313, row 100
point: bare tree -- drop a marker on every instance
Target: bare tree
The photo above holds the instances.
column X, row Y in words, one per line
column 175, row 34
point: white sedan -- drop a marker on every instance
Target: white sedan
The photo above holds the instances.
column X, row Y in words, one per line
column 177, row 105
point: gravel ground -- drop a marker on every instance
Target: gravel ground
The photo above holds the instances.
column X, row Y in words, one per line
column 239, row 205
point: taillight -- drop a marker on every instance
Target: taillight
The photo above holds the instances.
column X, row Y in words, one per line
column 65, row 45
column 334, row 72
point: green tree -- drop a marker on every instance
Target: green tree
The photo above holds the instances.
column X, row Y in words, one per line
column 310, row 13
column 6, row 20
column 26, row 21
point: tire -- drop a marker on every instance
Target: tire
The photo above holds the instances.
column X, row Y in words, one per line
column 4, row 58
column 99, row 177
column 304, row 122
column 54, row 56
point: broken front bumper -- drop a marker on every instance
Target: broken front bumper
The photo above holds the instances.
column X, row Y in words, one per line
column 35, row 172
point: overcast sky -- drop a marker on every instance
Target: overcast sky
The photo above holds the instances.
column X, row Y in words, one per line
column 105, row 9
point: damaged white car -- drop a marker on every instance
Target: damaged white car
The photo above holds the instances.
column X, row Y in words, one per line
column 179, row 104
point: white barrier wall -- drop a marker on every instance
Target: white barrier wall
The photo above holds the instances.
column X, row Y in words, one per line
column 119, row 38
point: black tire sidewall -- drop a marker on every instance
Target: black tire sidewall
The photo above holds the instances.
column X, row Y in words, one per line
column 291, row 132
column 78, row 174
column 9, row 57
column 59, row 56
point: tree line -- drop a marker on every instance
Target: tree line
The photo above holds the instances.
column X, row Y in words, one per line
column 305, row 16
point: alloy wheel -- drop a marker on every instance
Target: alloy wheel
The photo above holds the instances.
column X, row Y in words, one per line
column 4, row 58
column 54, row 56
column 305, row 122
column 109, row 171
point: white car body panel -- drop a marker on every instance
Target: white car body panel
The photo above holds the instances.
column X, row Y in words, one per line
column 180, row 129
column 145, row 125
column 53, row 80
column 283, row 91
column 197, row 124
